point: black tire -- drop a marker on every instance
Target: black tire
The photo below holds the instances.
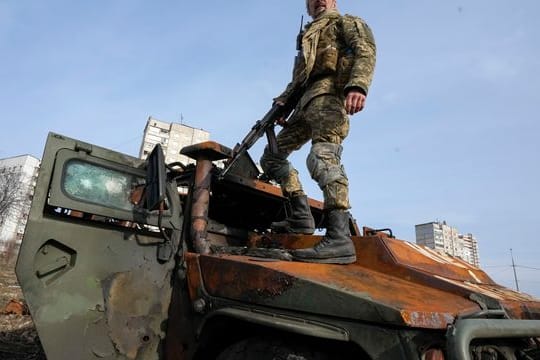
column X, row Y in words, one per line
column 258, row 348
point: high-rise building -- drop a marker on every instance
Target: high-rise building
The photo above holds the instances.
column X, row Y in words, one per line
column 470, row 249
column 172, row 137
column 17, row 181
column 442, row 237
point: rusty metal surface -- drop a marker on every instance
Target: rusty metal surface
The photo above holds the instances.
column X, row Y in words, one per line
column 432, row 262
column 517, row 305
column 244, row 279
column 434, row 354
column 194, row 279
column 285, row 241
column 522, row 309
column 199, row 207
column 346, row 291
column 132, row 304
column 268, row 188
column 209, row 150
column 393, row 279
column 255, row 184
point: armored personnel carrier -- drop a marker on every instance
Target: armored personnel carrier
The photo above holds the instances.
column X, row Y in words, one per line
column 130, row 259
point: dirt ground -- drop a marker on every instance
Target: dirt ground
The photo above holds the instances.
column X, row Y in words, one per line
column 18, row 336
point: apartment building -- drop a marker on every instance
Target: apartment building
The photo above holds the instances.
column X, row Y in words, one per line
column 172, row 137
column 17, row 181
column 444, row 238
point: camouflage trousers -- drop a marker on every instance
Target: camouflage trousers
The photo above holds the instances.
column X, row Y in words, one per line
column 323, row 121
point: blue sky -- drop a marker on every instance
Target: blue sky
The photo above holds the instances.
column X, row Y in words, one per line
column 449, row 133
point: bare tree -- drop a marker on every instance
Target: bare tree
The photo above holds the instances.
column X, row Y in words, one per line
column 10, row 191
column 11, row 249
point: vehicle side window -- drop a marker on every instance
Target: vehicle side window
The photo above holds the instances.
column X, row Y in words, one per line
column 99, row 185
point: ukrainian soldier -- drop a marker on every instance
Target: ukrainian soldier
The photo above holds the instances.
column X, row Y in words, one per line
column 333, row 69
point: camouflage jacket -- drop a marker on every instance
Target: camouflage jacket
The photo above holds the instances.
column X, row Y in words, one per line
column 337, row 54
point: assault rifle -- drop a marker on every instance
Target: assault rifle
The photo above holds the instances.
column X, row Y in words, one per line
column 264, row 126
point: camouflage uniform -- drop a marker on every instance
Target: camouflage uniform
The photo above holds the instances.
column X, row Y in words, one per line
column 338, row 54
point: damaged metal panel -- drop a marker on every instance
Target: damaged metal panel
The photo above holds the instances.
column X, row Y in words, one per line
column 428, row 320
column 427, row 260
column 136, row 306
column 93, row 281
column 388, row 266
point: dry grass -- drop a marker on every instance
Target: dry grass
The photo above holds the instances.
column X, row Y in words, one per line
column 18, row 336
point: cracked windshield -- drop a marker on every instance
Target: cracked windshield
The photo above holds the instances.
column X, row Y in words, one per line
column 95, row 184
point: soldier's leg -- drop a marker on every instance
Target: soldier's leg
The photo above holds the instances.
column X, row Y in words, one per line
column 330, row 126
column 277, row 167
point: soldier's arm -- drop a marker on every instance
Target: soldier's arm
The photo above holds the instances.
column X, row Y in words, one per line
column 285, row 94
column 360, row 40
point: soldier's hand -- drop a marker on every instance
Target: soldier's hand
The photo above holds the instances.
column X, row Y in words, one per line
column 282, row 121
column 354, row 102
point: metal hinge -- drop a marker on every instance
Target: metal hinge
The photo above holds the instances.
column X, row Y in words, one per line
column 82, row 146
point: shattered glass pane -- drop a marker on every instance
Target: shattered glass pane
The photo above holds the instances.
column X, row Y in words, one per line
column 99, row 185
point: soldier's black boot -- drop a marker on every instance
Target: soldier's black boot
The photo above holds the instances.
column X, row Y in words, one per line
column 300, row 222
column 336, row 247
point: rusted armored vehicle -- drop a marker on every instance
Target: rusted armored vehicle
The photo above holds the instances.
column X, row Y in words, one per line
column 115, row 264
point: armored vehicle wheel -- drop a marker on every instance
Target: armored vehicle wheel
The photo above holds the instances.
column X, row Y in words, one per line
column 270, row 349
